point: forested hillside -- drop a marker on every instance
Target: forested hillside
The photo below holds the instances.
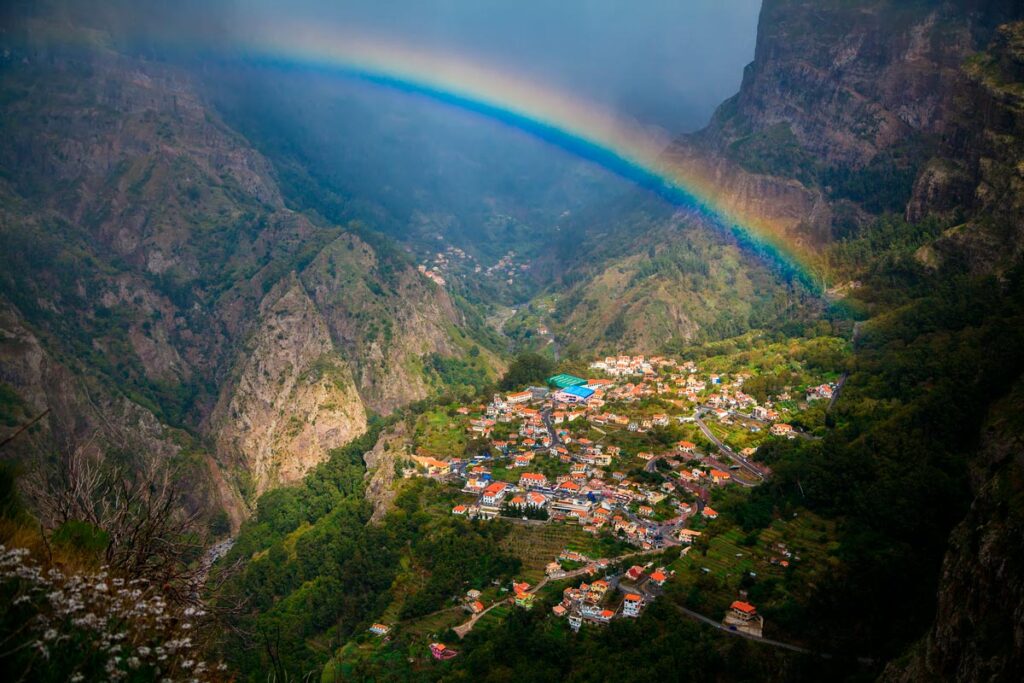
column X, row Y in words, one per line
column 149, row 261
column 299, row 380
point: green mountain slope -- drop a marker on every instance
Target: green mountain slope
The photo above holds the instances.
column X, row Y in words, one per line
column 149, row 260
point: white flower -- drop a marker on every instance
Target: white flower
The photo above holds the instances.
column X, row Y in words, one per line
column 50, row 634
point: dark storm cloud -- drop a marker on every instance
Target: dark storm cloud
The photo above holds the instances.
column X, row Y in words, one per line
column 663, row 62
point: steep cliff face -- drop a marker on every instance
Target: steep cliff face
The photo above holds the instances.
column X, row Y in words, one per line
column 293, row 399
column 843, row 106
column 381, row 462
column 978, row 633
column 384, row 316
column 77, row 413
column 146, row 250
column 847, row 80
column 979, row 172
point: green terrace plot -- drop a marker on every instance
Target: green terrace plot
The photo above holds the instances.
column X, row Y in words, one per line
column 643, row 408
column 440, row 435
column 794, row 362
column 708, row 583
column 536, row 545
column 737, row 435
column 493, row 618
column 657, row 440
column 408, row 580
column 542, row 462
column 432, row 626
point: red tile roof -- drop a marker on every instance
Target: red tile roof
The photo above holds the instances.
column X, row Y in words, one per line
column 744, row 607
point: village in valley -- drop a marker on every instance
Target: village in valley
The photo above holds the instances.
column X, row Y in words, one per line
column 633, row 454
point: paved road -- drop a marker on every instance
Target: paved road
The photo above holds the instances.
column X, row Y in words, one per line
column 767, row 641
column 462, row 629
column 739, row 459
column 545, row 416
column 725, row 629
column 842, row 380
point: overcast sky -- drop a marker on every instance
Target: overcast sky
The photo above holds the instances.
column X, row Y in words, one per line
column 663, row 62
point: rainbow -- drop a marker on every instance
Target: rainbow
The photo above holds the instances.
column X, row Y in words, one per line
column 579, row 128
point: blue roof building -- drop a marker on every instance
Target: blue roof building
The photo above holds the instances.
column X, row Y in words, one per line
column 577, row 393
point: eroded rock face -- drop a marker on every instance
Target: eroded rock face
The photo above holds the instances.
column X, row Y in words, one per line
column 293, row 397
column 381, row 464
column 979, row 170
column 851, row 79
column 383, row 318
column 978, row 633
column 836, row 87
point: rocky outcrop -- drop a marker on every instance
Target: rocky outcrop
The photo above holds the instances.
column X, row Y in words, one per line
column 979, row 172
column 852, row 79
column 292, row 399
column 384, row 316
column 978, row 634
column 381, row 465
column 78, row 413
column 840, row 90
column 784, row 207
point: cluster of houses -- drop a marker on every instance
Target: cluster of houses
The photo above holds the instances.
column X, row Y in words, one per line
column 540, row 456
column 546, row 429
column 620, row 366
column 433, row 274
column 453, row 260
column 595, row 602
column 586, row 492
column 555, row 569
column 821, row 392
column 506, row 266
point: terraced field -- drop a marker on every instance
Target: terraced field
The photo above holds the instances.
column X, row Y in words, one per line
column 431, row 626
column 493, row 618
column 439, row 435
column 711, row 582
column 537, row 545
